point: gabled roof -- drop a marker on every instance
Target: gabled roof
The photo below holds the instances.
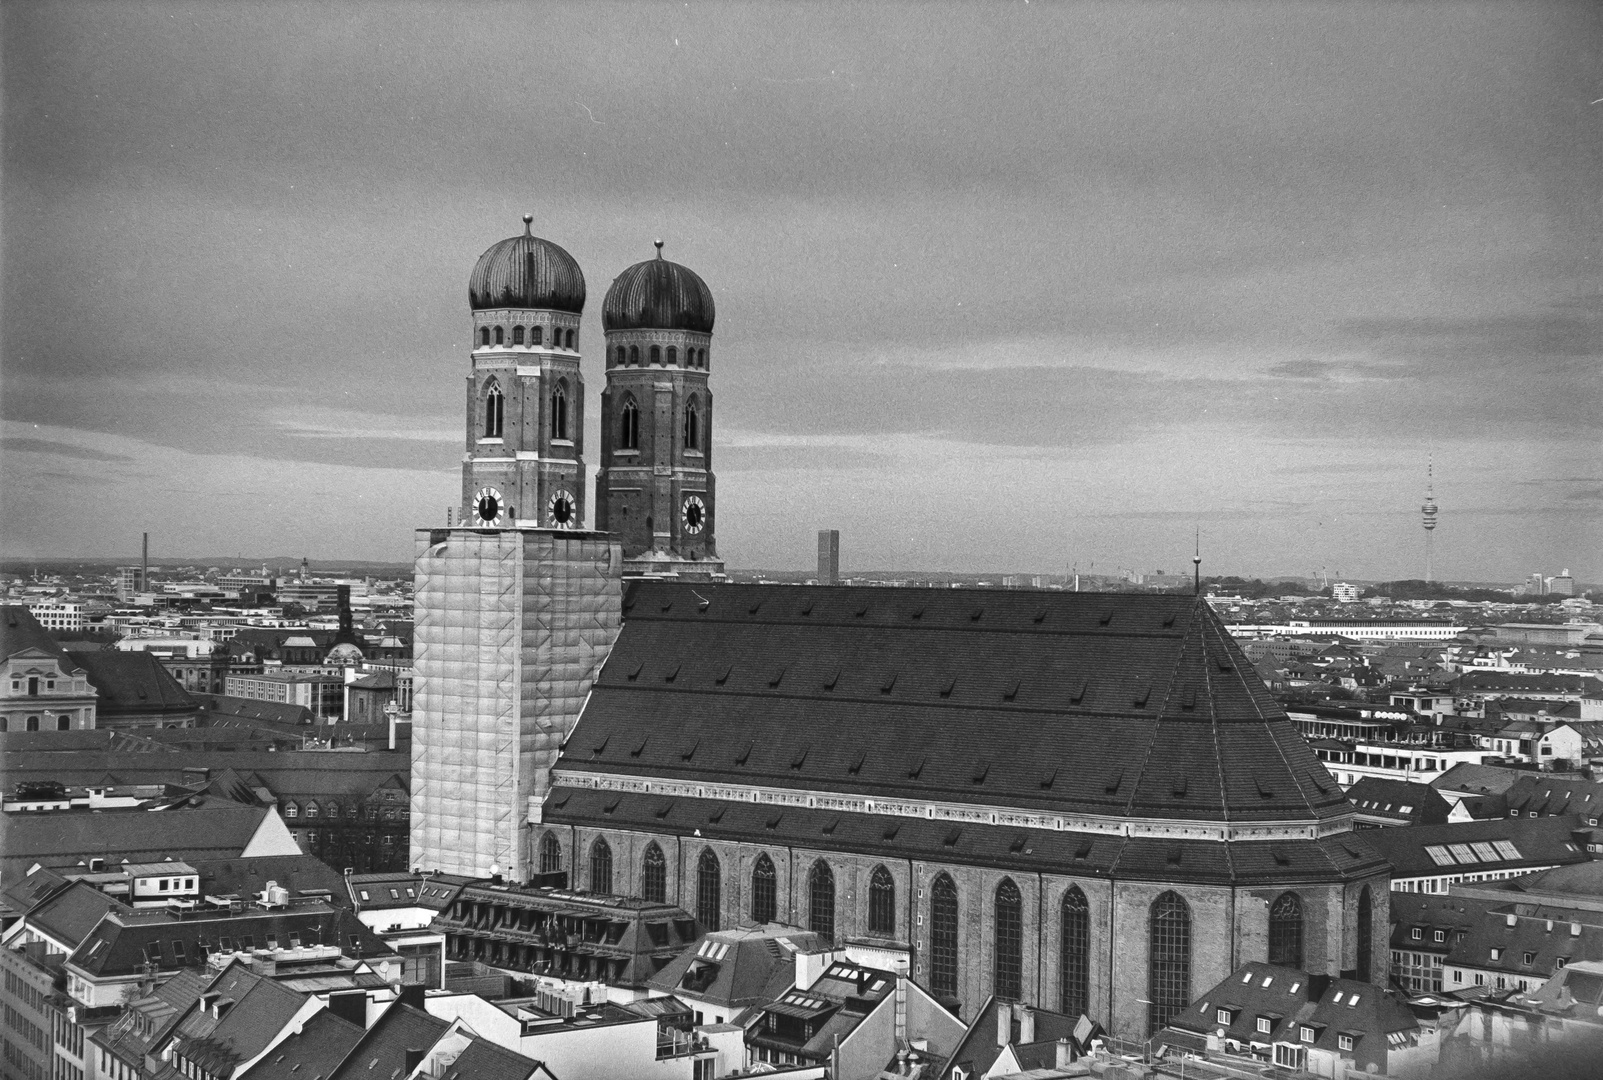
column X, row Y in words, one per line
column 740, row 967
column 980, row 1046
column 1513, row 933
column 1550, row 794
column 217, row 828
column 483, row 1060
column 1479, row 779
column 1118, row 705
column 254, row 1010
column 841, row 999
column 316, row 1050
column 20, row 631
column 217, row 706
column 1428, row 913
column 69, row 915
column 132, row 683
column 383, row 1049
column 1419, row 804
column 160, row 1009
column 1477, row 846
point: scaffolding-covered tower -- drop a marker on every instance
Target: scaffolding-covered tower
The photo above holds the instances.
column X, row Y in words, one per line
column 512, row 626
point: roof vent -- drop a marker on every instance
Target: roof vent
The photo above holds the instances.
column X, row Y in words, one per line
column 774, row 679
column 721, row 679
column 974, row 616
column 664, row 811
column 740, row 758
column 1177, row 785
column 1077, row 695
column 637, row 751
column 1173, row 857
column 916, row 613
column 1010, row 691
column 831, row 679
column 671, row 674
column 889, row 684
column 1113, row 783
column 915, row 765
column 1049, row 779
column 772, row 823
column 951, row 838
column 981, row 770
column 800, row 759
column 1106, row 618
column 753, row 609
column 690, row 751
column 635, row 673
column 1139, row 696
column 807, row 608
column 856, row 765
column 946, row 690
column 1040, row 616
column 716, row 816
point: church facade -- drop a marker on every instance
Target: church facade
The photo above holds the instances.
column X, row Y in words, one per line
column 1084, row 801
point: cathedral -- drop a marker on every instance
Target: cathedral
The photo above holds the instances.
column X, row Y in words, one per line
column 1082, row 801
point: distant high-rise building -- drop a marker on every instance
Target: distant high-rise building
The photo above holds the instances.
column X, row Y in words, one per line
column 1536, row 585
column 130, row 582
column 1428, row 514
column 1562, row 585
column 1344, row 593
column 829, row 556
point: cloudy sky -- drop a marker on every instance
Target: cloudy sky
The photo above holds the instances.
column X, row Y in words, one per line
column 1000, row 287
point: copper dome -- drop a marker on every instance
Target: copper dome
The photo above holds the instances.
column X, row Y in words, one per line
column 658, row 295
column 527, row 272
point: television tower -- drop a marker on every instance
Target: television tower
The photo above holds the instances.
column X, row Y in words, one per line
column 1427, row 512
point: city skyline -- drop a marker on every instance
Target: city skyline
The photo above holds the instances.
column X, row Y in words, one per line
column 1018, row 289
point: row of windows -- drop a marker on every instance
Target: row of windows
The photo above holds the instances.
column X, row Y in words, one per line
column 352, row 811
column 495, row 411
column 1169, row 958
column 629, row 426
column 657, row 357
column 534, row 335
column 32, row 723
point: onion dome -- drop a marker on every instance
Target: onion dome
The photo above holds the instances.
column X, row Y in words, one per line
column 658, row 295
column 527, row 272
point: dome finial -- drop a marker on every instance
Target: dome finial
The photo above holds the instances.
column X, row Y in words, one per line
column 658, row 242
column 528, row 220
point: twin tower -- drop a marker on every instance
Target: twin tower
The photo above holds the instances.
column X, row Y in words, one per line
column 524, row 466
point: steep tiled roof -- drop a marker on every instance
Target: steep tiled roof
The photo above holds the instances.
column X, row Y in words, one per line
column 1551, row 794
column 738, row 967
column 132, row 682
column 980, row 1046
column 1120, row 705
column 383, row 1049
column 1503, row 937
column 1481, row 779
column 218, row 828
column 254, row 1009
column 483, row 1060
column 1419, row 804
column 219, row 706
column 72, row 913
column 19, row 631
column 316, row 1050
column 1420, row 850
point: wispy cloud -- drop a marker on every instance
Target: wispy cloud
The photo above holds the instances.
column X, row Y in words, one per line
column 20, row 444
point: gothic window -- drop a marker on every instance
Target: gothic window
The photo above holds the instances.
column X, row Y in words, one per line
column 1009, row 933
column 692, row 425
column 629, row 426
column 623, row 356
column 882, row 903
column 484, row 335
column 943, row 936
column 1074, row 967
column 1366, row 916
column 821, row 900
column 494, row 411
column 673, row 356
column 634, row 355
column 550, row 854
column 1168, row 960
column 569, row 339
column 601, row 866
column 559, row 412
column 500, row 336
column 536, row 335
column 656, row 354
column 702, row 358
column 517, row 335
column 764, row 891
column 654, row 875
column 1285, row 930
column 709, row 889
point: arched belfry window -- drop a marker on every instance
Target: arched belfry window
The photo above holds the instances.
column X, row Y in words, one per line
column 550, row 854
column 1366, row 918
column 494, row 411
column 634, row 355
column 559, row 411
column 484, row 335
column 623, row 356
column 570, row 339
column 654, row 875
column 1009, row 934
column 656, row 354
column 702, row 358
column 536, row 335
column 709, row 890
column 882, row 903
column 764, row 891
column 500, row 336
column 601, row 866
column 821, row 900
column 1168, row 960
column 943, row 936
column 517, row 335
column 1074, row 968
column 673, row 356
column 629, row 426
column 1285, row 930
column 692, row 425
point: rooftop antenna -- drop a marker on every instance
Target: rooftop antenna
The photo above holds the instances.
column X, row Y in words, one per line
column 1428, row 511
column 1196, row 564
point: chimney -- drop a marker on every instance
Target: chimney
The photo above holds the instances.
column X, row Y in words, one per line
column 1026, row 1023
column 1575, row 929
column 1318, row 983
column 1064, row 1055
column 1004, row 1023
column 810, row 966
column 414, row 1058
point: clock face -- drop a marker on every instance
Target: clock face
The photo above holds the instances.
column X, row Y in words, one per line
column 487, row 506
column 694, row 514
column 562, row 511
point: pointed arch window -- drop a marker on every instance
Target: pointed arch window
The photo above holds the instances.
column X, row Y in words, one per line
column 629, row 426
column 1285, row 930
column 656, row 355
column 1366, row 917
column 1074, row 967
column 692, row 425
column 623, row 356
column 517, row 335
column 654, row 875
column 601, row 866
column 1168, row 960
column 550, row 853
column 709, row 889
column 500, row 336
column 1009, row 941
column 764, row 891
column 673, row 356
column 882, row 903
column 559, row 411
column 821, row 900
column 569, row 337
column 494, row 411
column 943, row 936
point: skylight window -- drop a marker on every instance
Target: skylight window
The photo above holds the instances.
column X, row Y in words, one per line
column 1439, row 855
column 1462, row 853
column 1506, row 849
column 1485, row 851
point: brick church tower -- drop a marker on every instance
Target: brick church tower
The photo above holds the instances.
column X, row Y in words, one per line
column 525, row 410
column 655, row 489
